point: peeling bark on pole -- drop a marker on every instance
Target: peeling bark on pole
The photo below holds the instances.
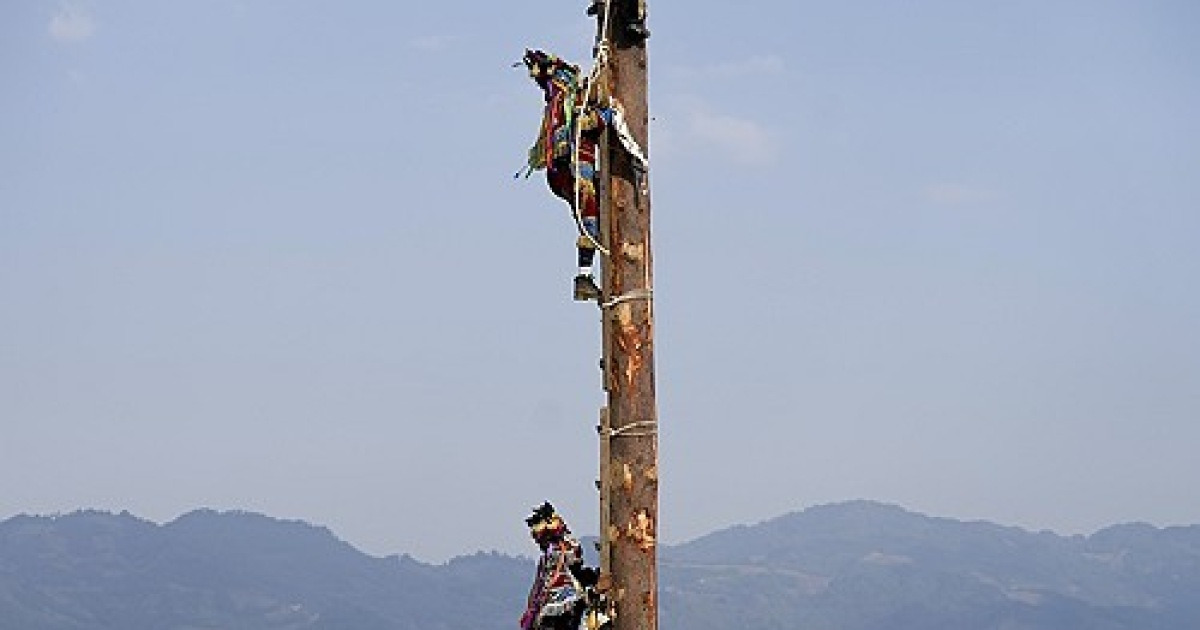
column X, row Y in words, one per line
column 631, row 469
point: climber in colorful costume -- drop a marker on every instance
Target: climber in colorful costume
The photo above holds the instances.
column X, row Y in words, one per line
column 564, row 118
column 566, row 146
column 558, row 597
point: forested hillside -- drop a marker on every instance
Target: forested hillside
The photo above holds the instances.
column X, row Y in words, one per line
column 851, row 566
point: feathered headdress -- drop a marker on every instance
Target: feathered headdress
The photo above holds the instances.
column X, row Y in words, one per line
column 545, row 524
column 561, row 83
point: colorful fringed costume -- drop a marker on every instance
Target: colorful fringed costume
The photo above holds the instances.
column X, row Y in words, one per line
column 558, row 597
column 565, row 119
column 566, row 147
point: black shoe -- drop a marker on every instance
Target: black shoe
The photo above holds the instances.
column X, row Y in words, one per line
column 585, row 288
column 596, row 7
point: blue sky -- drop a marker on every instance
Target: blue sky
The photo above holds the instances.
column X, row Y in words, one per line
column 269, row 255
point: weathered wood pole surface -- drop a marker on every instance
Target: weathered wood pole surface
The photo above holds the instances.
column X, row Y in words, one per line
column 632, row 436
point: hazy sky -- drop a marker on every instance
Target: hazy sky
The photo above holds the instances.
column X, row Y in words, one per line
column 269, row 255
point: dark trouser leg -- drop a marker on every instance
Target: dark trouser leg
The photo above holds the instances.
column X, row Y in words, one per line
column 587, row 244
column 569, row 621
column 585, row 285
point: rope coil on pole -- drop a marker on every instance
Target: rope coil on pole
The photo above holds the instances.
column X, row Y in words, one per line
column 638, row 294
column 631, row 429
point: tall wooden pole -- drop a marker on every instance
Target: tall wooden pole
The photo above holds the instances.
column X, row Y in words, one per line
column 629, row 424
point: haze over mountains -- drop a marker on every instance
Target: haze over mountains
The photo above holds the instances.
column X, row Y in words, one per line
column 849, row 566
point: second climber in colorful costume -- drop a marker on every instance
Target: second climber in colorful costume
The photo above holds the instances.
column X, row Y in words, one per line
column 559, row 595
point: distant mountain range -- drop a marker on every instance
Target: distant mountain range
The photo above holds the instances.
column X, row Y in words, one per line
column 849, row 566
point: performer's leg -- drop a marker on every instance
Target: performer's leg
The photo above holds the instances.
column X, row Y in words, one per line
column 585, row 283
